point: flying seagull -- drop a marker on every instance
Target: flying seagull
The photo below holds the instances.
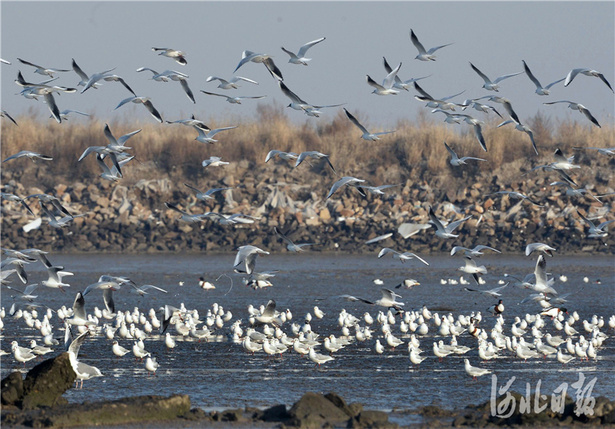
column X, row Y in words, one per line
column 540, row 90
column 42, row 70
column 399, row 84
column 347, row 180
column 366, row 134
column 423, row 54
column 587, row 72
column 455, row 161
column 231, row 83
column 577, row 106
column 492, row 85
column 178, row 56
column 29, row 154
column 300, row 58
column 234, row 100
column 445, row 231
column 387, row 84
column 521, row 127
column 146, row 101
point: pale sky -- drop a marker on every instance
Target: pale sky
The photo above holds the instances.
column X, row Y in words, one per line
column 552, row 37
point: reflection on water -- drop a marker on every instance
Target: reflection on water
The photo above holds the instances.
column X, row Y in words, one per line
column 222, row 375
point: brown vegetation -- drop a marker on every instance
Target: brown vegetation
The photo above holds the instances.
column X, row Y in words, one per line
column 415, row 151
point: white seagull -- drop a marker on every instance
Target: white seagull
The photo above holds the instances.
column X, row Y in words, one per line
column 208, row 136
column 521, row 127
column 231, row 83
column 445, row 231
column 399, row 84
column 387, row 84
column 146, row 101
column 540, row 90
column 578, row 106
column 313, row 154
column 587, row 72
column 346, row 180
column 214, row 161
column 405, row 256
column 42, row 70
column 474, row 371
column 423, row 54
column 492, row 85
column 29, row 154
column 455, row 161
column 299, row 57
column 234, row 100
column 178, row 56
column 366, row 134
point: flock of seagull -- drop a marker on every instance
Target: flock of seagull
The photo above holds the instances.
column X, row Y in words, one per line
column 269, row 330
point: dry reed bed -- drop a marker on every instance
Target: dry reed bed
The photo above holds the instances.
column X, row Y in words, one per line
column 415, row 151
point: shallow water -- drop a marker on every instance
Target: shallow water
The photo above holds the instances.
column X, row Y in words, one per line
column 222, row 375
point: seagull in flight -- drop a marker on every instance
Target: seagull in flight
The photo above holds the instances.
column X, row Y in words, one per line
column 289, row 243
column 495, row 292
column 178, row 56
column 214, row 161
column 208, row 137
column 146, row 101
column 366, row 134
column 249, row 56
column 192, row 122
column 387, row 84
column 492, row 85
column 445, row 231
column 204, row 196
column 173, row 75
column 246, row 255
column 596, row 231
column 473, row 102
column 346, row 180
column 29, row 154
column 423, row 54
column 108, row 77
column 299, row 104
column 471, row 268
column 399, row 84
column 539, row 247
column 521, row 127
column 476, row 251
column 281, row 154
column 540, row 90
column 518, row 196
column 313, row 154
column 455, row 161
column 376, row 189
column 299, row 57
column 4, row 114
column 441, row 103
column 388, row 299
column 231, row 83
column 577, row 106
column 234, row 100
column 587, row 72
column 405, row 256
column 185, row 216
column 42, row 70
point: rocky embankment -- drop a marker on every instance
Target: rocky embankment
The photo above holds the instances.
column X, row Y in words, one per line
column 37, row 401
column 131, row 216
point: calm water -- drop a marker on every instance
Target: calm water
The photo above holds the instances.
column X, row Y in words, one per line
column 222, row 375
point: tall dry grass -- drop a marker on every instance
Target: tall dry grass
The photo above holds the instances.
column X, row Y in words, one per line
column 415, row 151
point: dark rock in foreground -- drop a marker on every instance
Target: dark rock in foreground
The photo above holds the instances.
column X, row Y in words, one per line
column 44, row 384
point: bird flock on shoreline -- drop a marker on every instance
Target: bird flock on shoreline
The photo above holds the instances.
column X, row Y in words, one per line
column 270, row 331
